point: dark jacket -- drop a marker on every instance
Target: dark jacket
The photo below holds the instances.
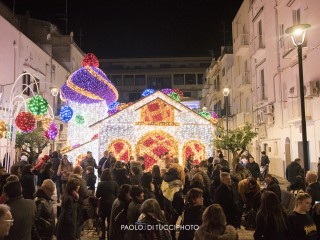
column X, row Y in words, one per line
column 292, row 171
column 91, row 181
column 45, row 219
column 86, row 163
column 298, row 184
column 192, row 216
column 23, row 212
column 133, row 211
column 274, row 187
column 107, row 191
column 120, row 176
column 265, row 160
column 254, row 169
column 230, row 233
column 55, row 165
column 27, row 184
column 314, row 190
column 100, row 164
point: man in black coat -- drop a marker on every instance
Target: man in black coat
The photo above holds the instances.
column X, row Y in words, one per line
column 103, row 162
column 292, row 170
column 273, row 185
column 254, row 168
column 224, row 196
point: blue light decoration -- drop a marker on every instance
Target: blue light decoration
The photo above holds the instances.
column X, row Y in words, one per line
column 89, row 84
column 147, row 92
column 79, row 119
column 113, row 106
column 66, row 113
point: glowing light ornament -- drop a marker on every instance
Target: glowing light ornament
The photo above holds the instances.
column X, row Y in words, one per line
column 25, row 121
column 113, row 111
column 79, row 119
column 179, row 92
column 46, row 121
column 205, row 114
column 52, row 131
column 113, row 106
column 214, row 115
column 37, row 105
column 66, row 113
column 167, row 91
column 147, row 92
column 9, row 132
column 89, row 84
column 174, row 96
column 3, row 129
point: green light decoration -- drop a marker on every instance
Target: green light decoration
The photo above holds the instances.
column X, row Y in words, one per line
column 175, row 96
column 37, row 105
column 205, row 114
column 79, row 119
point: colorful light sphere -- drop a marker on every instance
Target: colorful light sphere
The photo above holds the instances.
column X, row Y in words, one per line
column 122, row 106
column 3, row 129
column 25, row 121
column 179, row 92
column 205, row 114
column 174, row 96
column 89, row 84
column 79, row 119
column 113, row 111
column 37, row 105
column 214, row 115
column 90, row 60
column 167, row 91
column 147, row 92
column 52, row 131
column 46, row 121
column 66, row 114
column 113, row 105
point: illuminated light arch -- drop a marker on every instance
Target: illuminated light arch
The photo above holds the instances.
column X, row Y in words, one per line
column 121, row 149
column 154, row 143
column 195, row 148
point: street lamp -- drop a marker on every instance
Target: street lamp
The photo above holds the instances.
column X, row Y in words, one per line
column 54, row 91
column 298, row 33
column 226, row 92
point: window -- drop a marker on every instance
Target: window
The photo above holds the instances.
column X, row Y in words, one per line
column 134, row 96
column 26, row 82
column 140, row 80
column 128, row 80
column 263, row 90
column 157, row 82
column 36, row 86
column 116, row 80
column 165, row 65
column 187, row 94
column 190, row 79
column 281, row 30
column 178, row 79
column 199, row 78
column 59, row 106
column 296, row 16
column 223, row 72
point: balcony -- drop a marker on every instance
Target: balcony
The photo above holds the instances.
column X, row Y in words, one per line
column 241, row 44
column 258, row 47
column 294, row 110
column 243, row 81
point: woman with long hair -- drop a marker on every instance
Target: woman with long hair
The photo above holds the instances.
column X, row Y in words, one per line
column 64, row 170
column 272, row 221
column 214, row 225
column 147, row 185
column 302, row 225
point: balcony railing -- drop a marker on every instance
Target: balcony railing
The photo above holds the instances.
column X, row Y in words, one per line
column 241, row 44
column 294, row 110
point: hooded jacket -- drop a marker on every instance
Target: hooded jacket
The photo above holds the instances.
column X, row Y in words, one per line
column 230, row 233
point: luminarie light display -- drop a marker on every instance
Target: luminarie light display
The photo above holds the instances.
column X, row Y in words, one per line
column 52, row 131
column 37, row 105
column 66, row 113
column 3, row 129
column 147, row 92
column 25, row 121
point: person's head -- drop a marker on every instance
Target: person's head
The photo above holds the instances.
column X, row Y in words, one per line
column 135, row 171
column 6, row 220
column 214, row 218
column 220, row 156
column 151, row 206
column 137, row 193
column 12, row 189
column 73, row 185
column 252, row 183
column 12, row 178
column 251, row 159
column 89, row 170
column 118, row 164
column 197, row 178
column 48, row 186
column 156, row 171
column 303, row 202
column 141, row 159
column 26, row 169
column 263, row 152
column 89, row 154
column 173, row 172
column 65, row 160
column 106, row 153
column 2, row 171
column 78, row 170
column 196, row 168
column 106, row 175
column 124, row 193
column 194, row 197
column 55, row 154
column 24, row 158
column 210, row 160
column 297, row 160
column 176, row 160
column 268, row 178
column 146, row 180
column 225, row 178
column 15, row 170
column 269, row 202
column 311, row 177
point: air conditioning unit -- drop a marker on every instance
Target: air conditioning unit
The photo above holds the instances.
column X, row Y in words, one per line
column 269, row 110
column 311, row 89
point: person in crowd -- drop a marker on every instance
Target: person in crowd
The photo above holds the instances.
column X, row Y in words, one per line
column 3, row 181
column 151, row 214
column 45, row 172
column 223, row 162
column 272, row 221
column 91, row 180
column 118, row 216
column 6, row 220
column 264, row 164
column 27, row 182
column 175, row 164
column 137, row 196
column 249, row 191
column 45, row 218
column 313, row 186
column 224, row 197
column 189, row 163
column 318, row 169
column 241, row 172
column 120, row 173
column 302, row 224
column 210, row 166
column 41, row 161
column 140, row 159
column 64, row 170
column 215, row 177
column 197, row 182
column 88, row 161
column 67, row 222
column 55, row 160
column 147, row 186
column 136, row 175
column 23, row 211
column 157, row 181
column 23, row 161
column 273, row 185
column 107, row 192
column 161, row 162
column 254, row 168
column 299, row 182
column 244, row 160
column 192, row 213
column 214, row 225
column 15, row 170
column 104, row 161
column 136, row 163
column 206, row 179
column 292, row 170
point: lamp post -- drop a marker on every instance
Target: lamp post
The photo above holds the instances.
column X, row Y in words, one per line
column 298, row 33
column 226, row 92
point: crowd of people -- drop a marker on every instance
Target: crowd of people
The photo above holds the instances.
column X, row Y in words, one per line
column 169, row 201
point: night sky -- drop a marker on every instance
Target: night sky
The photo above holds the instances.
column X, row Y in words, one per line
column 140, row 28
